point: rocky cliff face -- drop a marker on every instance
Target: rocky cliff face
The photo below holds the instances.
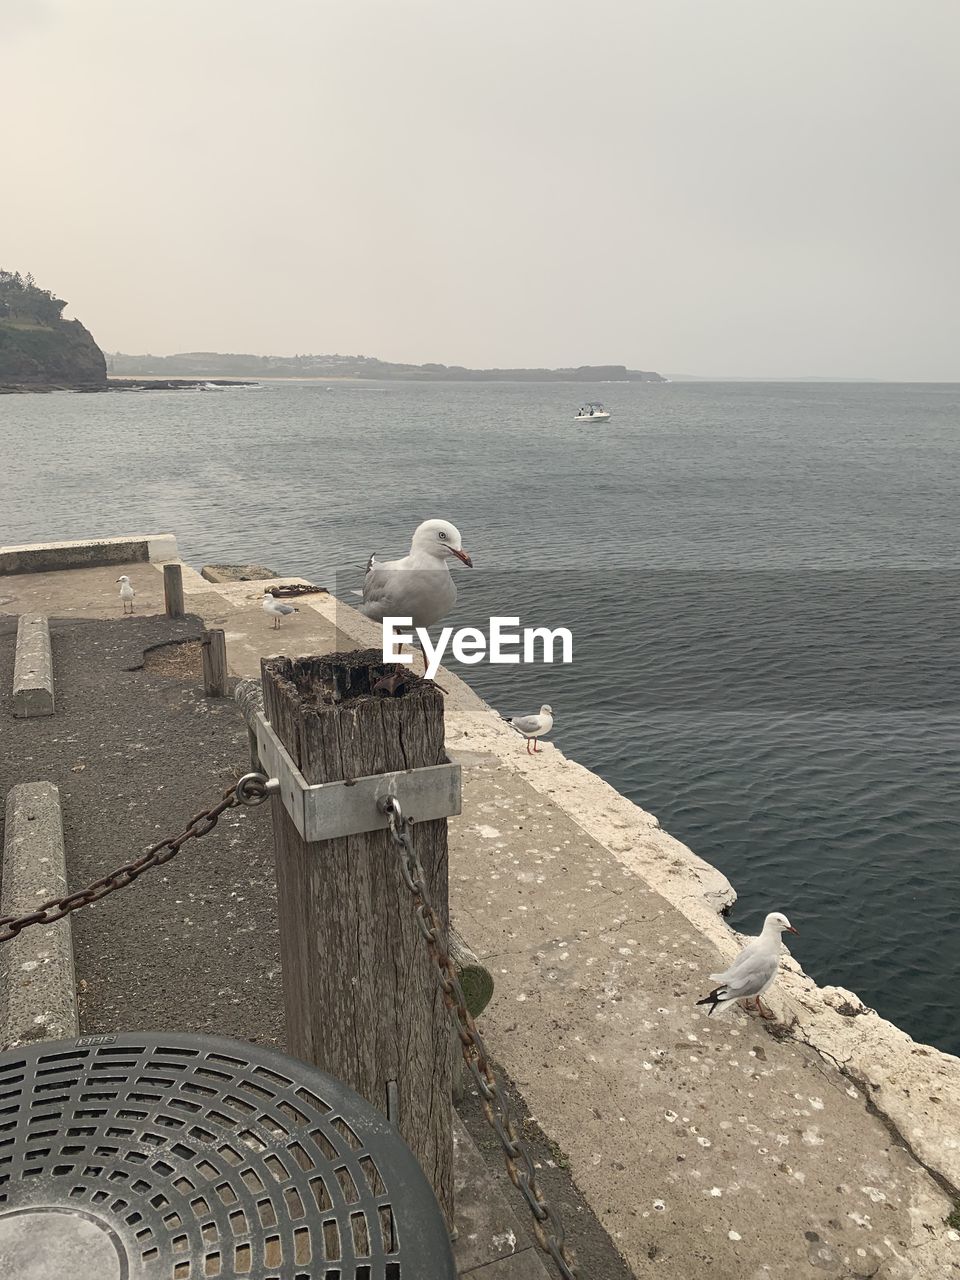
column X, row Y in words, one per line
column 39, row 350
column 60, row 354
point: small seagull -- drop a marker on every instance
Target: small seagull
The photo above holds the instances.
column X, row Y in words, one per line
column 753, row 970
column 533, row 727
column 126, row 592
column 276, row 609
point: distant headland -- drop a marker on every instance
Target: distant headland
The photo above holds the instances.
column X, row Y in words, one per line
column 213, row 364
column 39, row 350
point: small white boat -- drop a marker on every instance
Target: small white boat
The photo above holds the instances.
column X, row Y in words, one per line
column 593, row 412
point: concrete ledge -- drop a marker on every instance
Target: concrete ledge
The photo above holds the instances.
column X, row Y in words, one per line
column 33, row 668
column 236, row 573
column 38, row 989
column 46, row 557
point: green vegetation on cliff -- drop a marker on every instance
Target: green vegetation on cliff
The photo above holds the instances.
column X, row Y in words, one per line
column 39, row 350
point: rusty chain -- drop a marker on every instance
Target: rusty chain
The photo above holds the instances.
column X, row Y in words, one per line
column 251, row 789
column 547, row 1227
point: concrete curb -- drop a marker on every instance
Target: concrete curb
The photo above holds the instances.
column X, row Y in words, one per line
column 492, row 1244
column 46, row 557
column 33, row 668
column 38, row 986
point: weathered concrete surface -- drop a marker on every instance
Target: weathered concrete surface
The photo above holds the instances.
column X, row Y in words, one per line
column 33, row 668
column 706, row 1145
column 83, row 593
column 38, row 990
column 593, row 1252
column 915, row 1086
column 47, row 557
column 237, row 607
column 136, row 755
column 490, row 1236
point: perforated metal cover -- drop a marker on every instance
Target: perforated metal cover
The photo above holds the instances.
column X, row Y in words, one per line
column 201, row 1157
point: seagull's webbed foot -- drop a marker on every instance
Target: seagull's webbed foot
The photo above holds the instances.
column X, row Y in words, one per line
column 765, row 1013
column 387, row 686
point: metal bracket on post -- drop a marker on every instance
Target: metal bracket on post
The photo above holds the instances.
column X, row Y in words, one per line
column 329, row 810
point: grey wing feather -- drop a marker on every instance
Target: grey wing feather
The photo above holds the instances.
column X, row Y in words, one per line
column 751, row 977
column 376, row 593
column 743, row 958
column 285, row 608
column 526, row 724
column 425, row 595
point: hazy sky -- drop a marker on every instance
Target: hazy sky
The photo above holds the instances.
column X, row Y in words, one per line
column 748, row 187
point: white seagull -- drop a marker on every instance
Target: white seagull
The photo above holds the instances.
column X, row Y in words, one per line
column 126, row 592
column 533, row 727
column 418, row 585
column 753, row 970
column 276, row 609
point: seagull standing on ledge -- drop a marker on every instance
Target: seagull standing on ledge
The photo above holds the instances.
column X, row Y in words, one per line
column 276, row 609
column 753, row 970
column 533, row 727
column 126, row 592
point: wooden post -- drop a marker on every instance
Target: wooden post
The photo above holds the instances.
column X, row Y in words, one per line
column 173, row 590
column 360, row 989
column 214, row 650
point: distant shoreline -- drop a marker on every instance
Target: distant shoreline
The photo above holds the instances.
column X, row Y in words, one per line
column 327, row 368
column 128, row 382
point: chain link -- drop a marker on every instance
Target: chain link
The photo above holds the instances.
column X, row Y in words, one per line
column 547, row 1227
column 252, row 789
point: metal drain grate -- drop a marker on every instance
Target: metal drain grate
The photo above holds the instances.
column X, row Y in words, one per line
column 176, row 1157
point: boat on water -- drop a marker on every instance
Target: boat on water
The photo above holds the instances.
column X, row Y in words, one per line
column 593, row 412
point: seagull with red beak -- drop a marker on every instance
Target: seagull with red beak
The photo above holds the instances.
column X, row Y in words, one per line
column 754, row 969
column 419, row 585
